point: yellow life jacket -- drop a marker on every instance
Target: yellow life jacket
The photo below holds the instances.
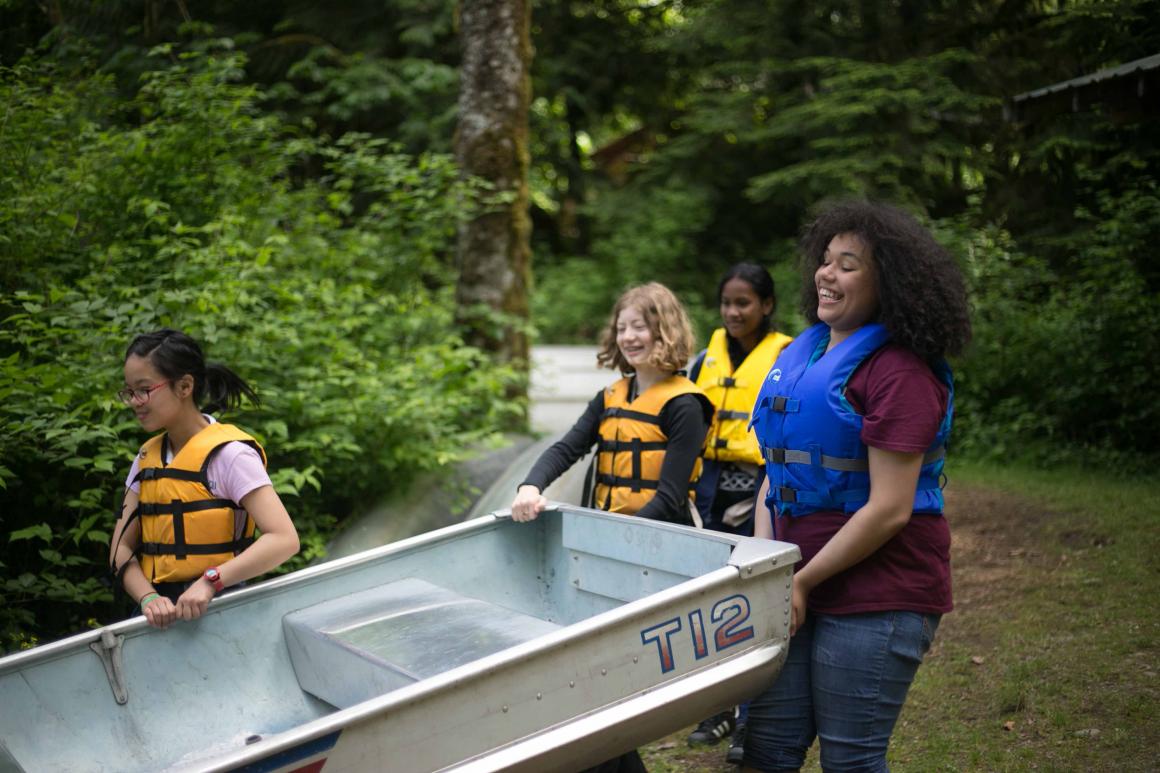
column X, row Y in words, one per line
column 733, row 394
column 185, row 529
column 632, row 445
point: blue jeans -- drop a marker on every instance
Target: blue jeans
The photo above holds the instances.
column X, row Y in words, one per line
column 844, row 681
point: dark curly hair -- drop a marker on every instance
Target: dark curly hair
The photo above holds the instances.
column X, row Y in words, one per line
column 921, row 293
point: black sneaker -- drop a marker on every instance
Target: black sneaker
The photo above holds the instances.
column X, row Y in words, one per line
column 712, row 730
column 736, row 753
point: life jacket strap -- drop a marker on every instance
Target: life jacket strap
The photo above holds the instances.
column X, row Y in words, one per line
column 197, row 549
column 616, row 446
column 843, row 464
column 616, row 481
column 635, row 444
column 788, row 456
column 177, row 509
column 636, row 484
column 732, row 415
column 624, row 413
column 171, row 508
column 157, row 473
column 792, row 496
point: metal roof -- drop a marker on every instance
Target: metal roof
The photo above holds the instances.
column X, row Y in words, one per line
column 1131, row 89
column 1131, row 68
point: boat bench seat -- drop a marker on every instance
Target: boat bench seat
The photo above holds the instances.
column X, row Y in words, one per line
column 352, row 648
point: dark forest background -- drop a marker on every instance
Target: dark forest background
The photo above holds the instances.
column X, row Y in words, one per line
column 276, row 178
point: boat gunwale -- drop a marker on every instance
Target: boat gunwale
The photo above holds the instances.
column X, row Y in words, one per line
column 65, row 647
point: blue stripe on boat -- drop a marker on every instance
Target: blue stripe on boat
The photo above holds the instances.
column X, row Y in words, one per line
column 293, row 754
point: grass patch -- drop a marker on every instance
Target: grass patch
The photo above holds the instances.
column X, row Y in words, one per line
column 1049, row 661
column 1053, row 665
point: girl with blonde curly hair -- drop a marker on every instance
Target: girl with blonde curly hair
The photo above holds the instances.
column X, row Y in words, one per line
column 647, row 427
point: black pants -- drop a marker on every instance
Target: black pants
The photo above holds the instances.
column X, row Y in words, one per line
column 629, row 762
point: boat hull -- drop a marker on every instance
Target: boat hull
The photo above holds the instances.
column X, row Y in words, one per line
column 646, row 628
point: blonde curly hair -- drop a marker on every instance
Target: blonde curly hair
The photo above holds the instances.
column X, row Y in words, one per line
column 671, row 330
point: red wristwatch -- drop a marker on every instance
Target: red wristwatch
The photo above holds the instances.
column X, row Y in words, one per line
column 215, row 579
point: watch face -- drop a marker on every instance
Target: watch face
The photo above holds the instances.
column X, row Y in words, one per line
column 213, row 575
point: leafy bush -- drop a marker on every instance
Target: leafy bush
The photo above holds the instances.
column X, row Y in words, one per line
column 1060, row 365
column 331, row 295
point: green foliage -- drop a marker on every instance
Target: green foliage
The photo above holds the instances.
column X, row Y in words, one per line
column 889, row 130
column 331, row 295
column 669, row 140
column 770, row 108
column 1059, row 363
column 645, row 234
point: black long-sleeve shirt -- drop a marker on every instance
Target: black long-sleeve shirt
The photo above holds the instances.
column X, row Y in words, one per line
column 685, row 422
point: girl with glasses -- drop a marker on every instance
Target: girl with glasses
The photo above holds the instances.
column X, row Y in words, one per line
column 200, row 513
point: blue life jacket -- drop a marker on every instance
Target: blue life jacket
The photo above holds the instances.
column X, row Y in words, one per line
column 810, row 435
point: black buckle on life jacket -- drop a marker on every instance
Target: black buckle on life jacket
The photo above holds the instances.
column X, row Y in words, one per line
column 728, row 381
column 786, row 494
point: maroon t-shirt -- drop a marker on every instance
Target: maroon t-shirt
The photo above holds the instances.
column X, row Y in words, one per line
column 902, row 403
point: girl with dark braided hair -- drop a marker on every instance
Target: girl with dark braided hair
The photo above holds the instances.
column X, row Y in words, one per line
column 198, row 491
column 853, row 422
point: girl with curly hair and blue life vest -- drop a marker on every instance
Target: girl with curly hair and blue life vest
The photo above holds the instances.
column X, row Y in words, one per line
column 200, row 513
column 853, row 422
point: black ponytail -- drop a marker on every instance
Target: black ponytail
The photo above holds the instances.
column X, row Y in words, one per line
column 174, row 354
column 224, row 389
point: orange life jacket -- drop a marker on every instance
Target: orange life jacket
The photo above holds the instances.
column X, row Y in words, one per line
column 632, row 445
column 733, row 393
column 185, row 529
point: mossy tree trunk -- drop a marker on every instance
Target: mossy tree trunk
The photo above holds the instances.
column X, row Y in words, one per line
column 491, row 142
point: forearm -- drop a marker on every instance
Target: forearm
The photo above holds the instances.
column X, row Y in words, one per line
column 134, row 581
column 268, row 552
column 277, row 543
column 867, row 530
column 561, row 455
column 893, row 477
column 762, row 518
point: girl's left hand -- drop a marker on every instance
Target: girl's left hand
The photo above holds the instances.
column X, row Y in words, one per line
column 192, row 604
